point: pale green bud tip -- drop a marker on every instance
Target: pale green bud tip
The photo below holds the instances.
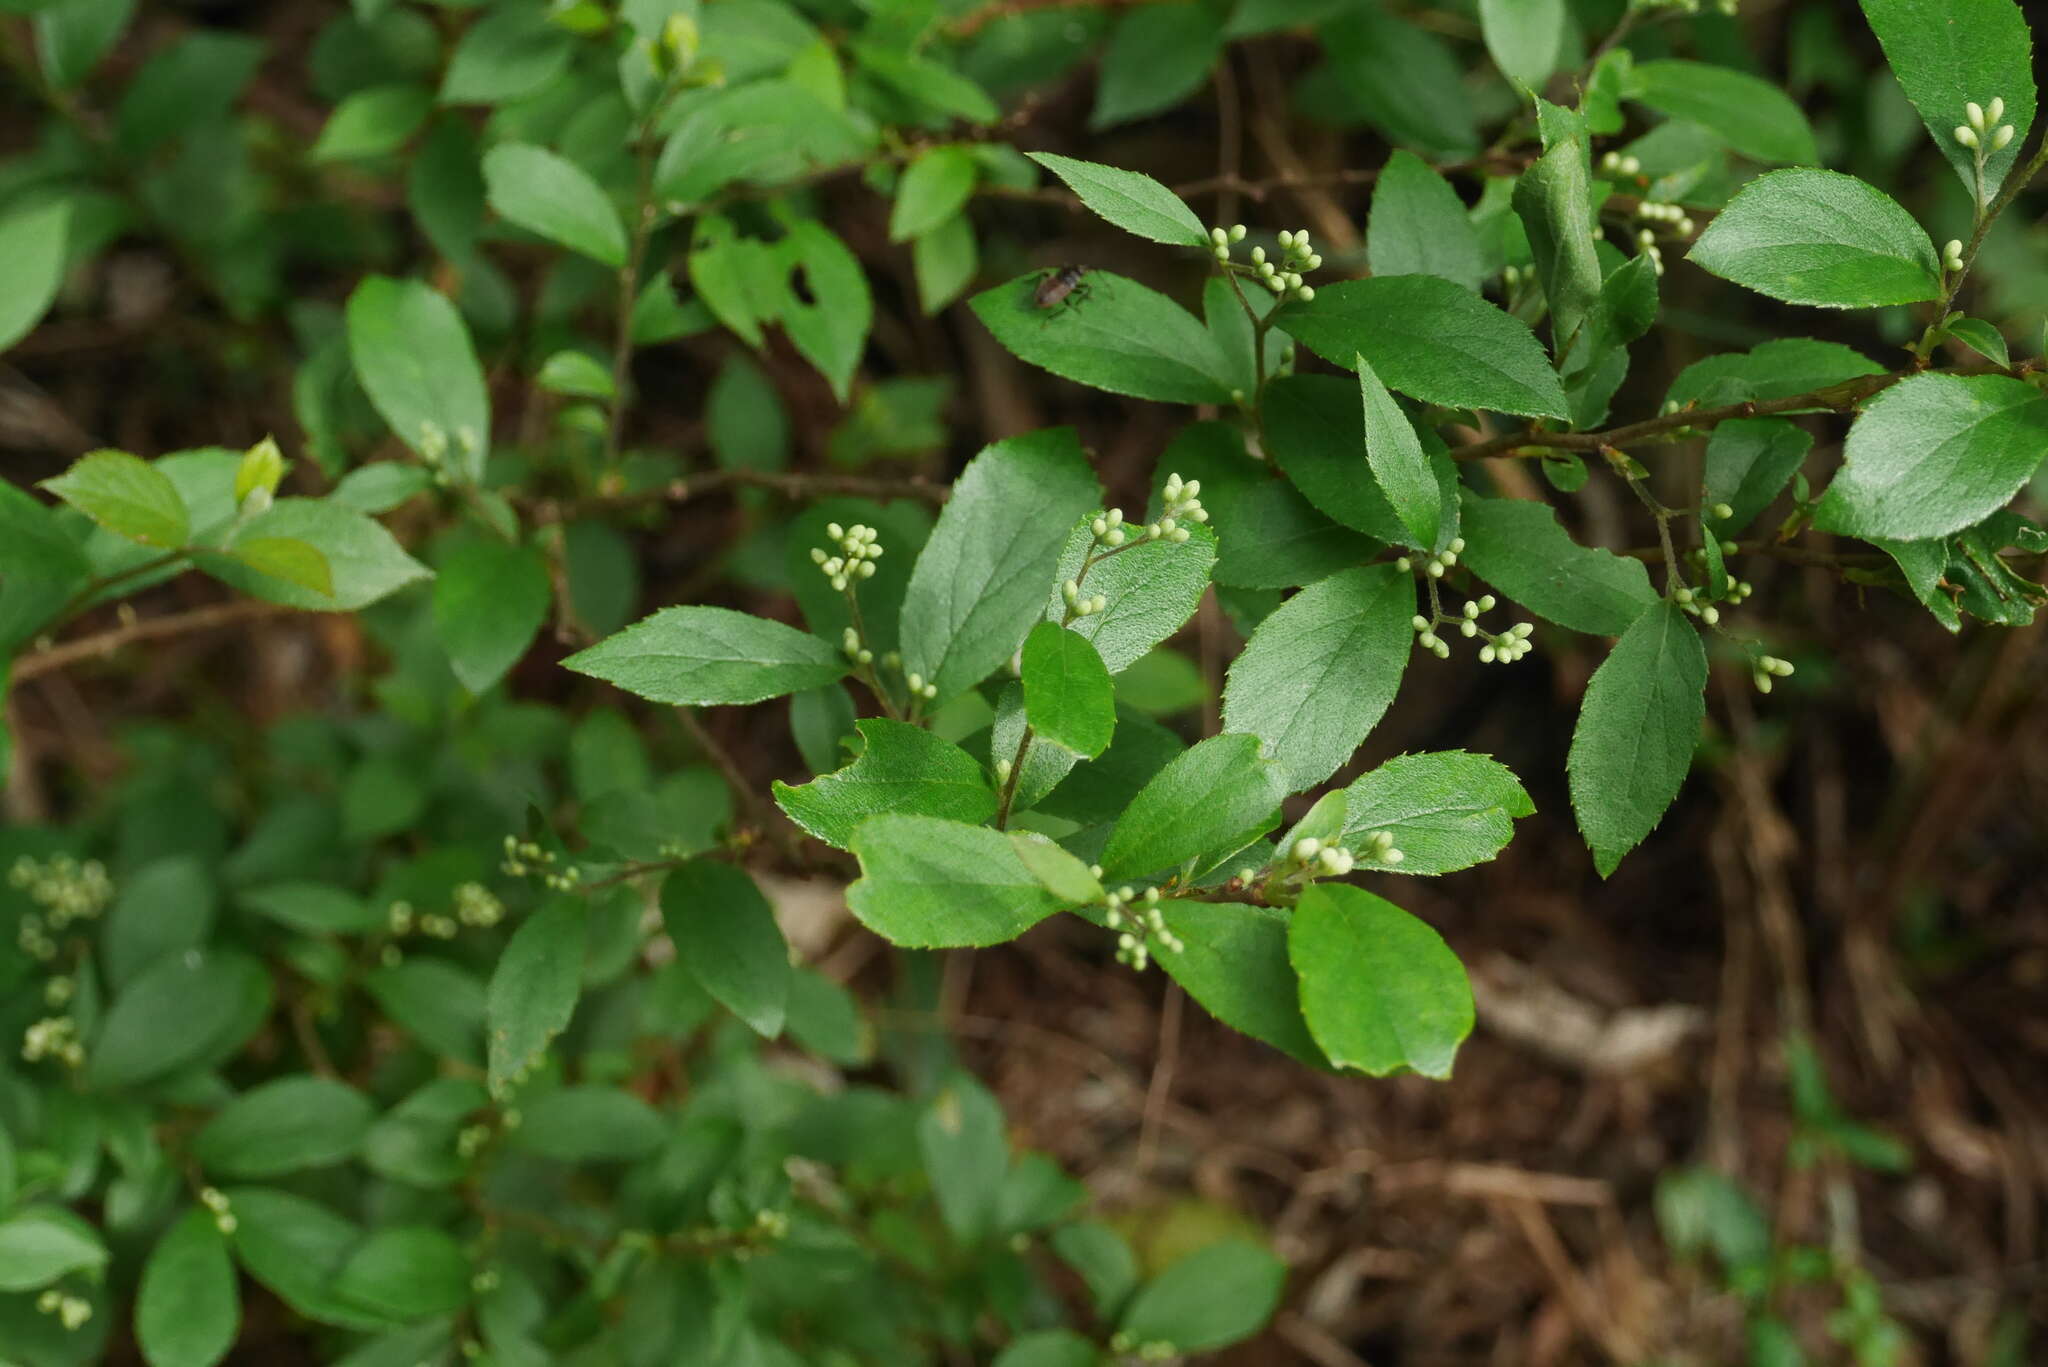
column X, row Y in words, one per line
column 262, row 468
column 1286, row 238
column 1710, row 614
column 1966, row 135
column 1219, row 237
column 1974, row 112
column 1222, row 253
column 1486, row 602
column 1722, row 512
column 1419, row 622
column 1306, row 293
column 1307, row 848
column 2002, row 138
column 1996, row 111
column 1486, row 654
column 1258, row 256
column 916, row 682
column 835, row 531
column 1404, row 564
column 1237, row 232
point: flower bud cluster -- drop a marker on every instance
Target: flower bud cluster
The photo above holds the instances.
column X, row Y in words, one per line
column 1435, row 565
column 849, row 641
column 71, row 1311
column 1079, row 605
column 858, row 552
column 53, row 1037
column 1982, row 130
column 1615, row 164
column 216, row 1200
column 1282, row 275
column 1767, row 668
column 1952, row 256
column 1138, row 920
column 920, row 687
column 526, row 859
column 66, row 890
column 1314, row 858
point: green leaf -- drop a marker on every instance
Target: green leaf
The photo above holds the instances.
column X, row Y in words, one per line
column 927, row 82
column 1980, row 337
column 73, row 36
column 1320, row 672
column 1950, row 53
column 1446, row 810
column 1525, row 38
column 1638, row 727
column 364, row 563
column 182, row 1010
column 298, row 563
column 1104, row 1261
column 1781, row 369
column 1390, row 73
column 408, row 1272
column 1058, row 872
column 981, row 580
column 184, row 86
column 703, row 656
column 1045, row 766
column 1314, row 429
column 1210, row 1299
column 1067, row 693
column 547, row 194
column 533, row 990
column 413, row 355
column 934, row 188
column 960, row 1138
column 1822, row 238
column 1158, row 56
column 1934, row 454
column 440, row 1005
column 1233, row 960
column 1049, row 1348
column 1213, row 799
column 1153, row 589
column 589, row 1124
column 509, row 53
column 490, row 599
column 1554, row 201
column 1111, row 333
column 1431, row 340
column 1517, row 546
column 1418, row 225
column 445, row 188
column 577, row 374
column 293, row 1246
column 1131, row 200
column 31, row 266
column 164, row 907
column 1395, row 455
column 39, row 1244
column 125, row 495
column 314, row 908
column 945, row 261
column 1749, row 460
column 725, row 935
column 1751, row 115
column 1380, row 990
column 188, row 1310
column 828, row 320
column 902, row 768
column 283, row 1126
column 373, row 122
column 927, row 883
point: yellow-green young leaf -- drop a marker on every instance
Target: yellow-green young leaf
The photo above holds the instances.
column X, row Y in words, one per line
column 1749, row 460
column 703, row 656
column 412, row 353
column 546, row 193
column 1210, row 1299
column 405, row 1272
column 1152, row 591
column 725, row 935
column 284, row 1126
column 533, row 989
column 902, row 768
column 1320, row 672
column 490, row 599
column 928, row 883
column 576, row 373
column 944, row 260
column 1934, row 454
column 980, row 582
column 125, row 495
column 31, row 266
column 1212, row 800
column 1158, row 56
column 1446, row 810
column 372, row 122
column 1637, row 729
column 1132, row 201
column 287, row 558
column 1525, row 38
column 743, row 281
column 1397, row 461
column 39, row 1244
column 1751, row 115
column 828, row 319
column 1111, row 333
column 1518, row 547
column 1821, row 238
column 1954, row 53
column 960, row 1138
column 364, row 563
column 1061, row 874
column 1418, row 225
column 1067, row 693
column 934, row 188
column 1380, row 990
column 188, row 1310
column 1431, row 340
column 1233, row 960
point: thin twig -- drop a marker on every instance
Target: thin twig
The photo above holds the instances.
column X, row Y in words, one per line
column 104, row 643
column 790, row 483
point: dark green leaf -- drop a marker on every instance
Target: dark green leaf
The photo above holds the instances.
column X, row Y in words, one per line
column 589, row 1124
column 1110, row 333
column 1525, row 38
column 1637, row 730
column 31, row 265
column 1431, row 340
column 163, row 908
column 180, row 1011
column 828, row 318
column 508, row 53
column 1213, row 799
column 1950, row 53
column 1518, row 547
column 315, row 908
column 294, row 1246
column 933, row 189
column 1380, row 990
column 547, row 194
column 902, row 768
column 72, row 37
column 283, row 1126
column 1210, row 1299
column 1233, row 960
column 1750, row 114
column 39, row 1244
column 1134, row 202
column 407, row 1272
column 413, row 355
column 1404, row 473
column 490, row 599
column 1153, row 589
column 1781, row 369
column 1319, row 673
column 1980, row 337
column 1158, row 56
column 188, row 1310
column 439, row 1004
column 1446, row 810
column 1049, row 1348
column 1418, row 225
column 1822, row 238
column 933, row 884
column 960, row 1138
column 373, row 122
column 533, row 989
column 945, row 261
column 1067, row 694
column 1390, row 73
column 1749, row 460
column 725, row 934
column 702, row 656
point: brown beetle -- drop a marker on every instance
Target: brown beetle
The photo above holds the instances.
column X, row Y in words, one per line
column 1061, row 287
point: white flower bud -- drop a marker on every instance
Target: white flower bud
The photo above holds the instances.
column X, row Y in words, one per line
column 1307, row 848
column 1178, row 535
column 1306, row 293
column 1486, row 655
column 1419, row 622
column 1222, row 253
column 1286, row 238
column 1258, row 256
column 1486, row 602
column 1219, row 237
column 1722, row 512
column 1965, row 135
column 1468, row 629
column 1404, row 564
column 834, row 530
column 1996, row 110
column 916, row 682
column 2002, row 137
column 1974, row 112
column 1237, row 231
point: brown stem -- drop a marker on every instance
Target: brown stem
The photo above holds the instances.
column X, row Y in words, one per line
column 56, row 657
